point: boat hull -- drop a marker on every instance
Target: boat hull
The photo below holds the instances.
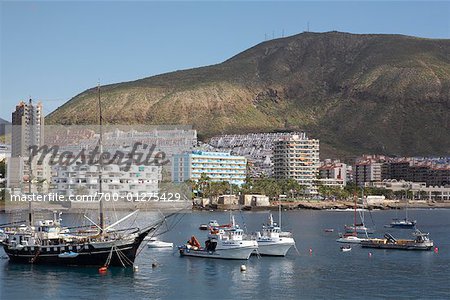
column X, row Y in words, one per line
column 351, row 229
column 419, row 247
column 85, row 257
column 402, row 226
column 271, row 248
column 241, row 253
column 350, row 240
column 160, row 245
column 88, row 254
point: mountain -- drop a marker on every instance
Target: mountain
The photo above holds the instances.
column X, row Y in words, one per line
column 357, row 93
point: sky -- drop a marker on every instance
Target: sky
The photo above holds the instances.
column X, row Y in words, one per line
column 53, row 50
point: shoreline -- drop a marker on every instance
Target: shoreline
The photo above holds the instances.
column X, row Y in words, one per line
column 285, row 205
column 329, row 205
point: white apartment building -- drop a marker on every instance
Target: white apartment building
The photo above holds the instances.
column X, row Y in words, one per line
column 83, row 179
column 367, row 171
column 217, row 166
column 18, row 175
column 27, row 128
column 297, row 157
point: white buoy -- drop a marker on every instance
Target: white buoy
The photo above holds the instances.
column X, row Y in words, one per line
column 243, row 268
column 135, row 268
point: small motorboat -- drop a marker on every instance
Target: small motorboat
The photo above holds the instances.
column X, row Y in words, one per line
column 69, row 254
column 203, row 227
column 350, row 239
column 153, row 242
column 328, row 230
column 346, row 248
column 211, row 224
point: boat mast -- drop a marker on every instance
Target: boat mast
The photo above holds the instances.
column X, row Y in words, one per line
column 363, row 206
column 30, row 169
column 355, row 196
column 100, row 160
column 406, row 206
column 279, row 215
column 30, row 175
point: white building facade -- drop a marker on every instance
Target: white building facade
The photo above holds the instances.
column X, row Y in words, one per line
column 218, row 166
column 297, row 157
column 83, row 179
column 333, row 173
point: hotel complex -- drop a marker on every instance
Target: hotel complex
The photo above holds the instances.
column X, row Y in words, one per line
column 218, row 166
column 297, row 157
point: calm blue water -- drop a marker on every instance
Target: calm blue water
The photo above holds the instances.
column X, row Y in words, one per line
column 326, row 273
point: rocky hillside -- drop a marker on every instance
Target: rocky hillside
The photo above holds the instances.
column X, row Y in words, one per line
column 356, row 93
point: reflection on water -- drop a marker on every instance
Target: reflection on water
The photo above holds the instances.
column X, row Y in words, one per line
column 326, row 273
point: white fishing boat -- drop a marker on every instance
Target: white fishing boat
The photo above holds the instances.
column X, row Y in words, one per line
column 222, row 243
column 270, row 242
column 153, row 242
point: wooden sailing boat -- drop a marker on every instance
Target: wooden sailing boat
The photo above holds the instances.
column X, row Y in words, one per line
column 48, row 242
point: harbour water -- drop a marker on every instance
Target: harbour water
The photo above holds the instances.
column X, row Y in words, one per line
column 324, row 272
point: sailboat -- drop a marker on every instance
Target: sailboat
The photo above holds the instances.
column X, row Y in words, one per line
column 405, row 223
column 48, row 242
column 359, row 227
column 352, row 237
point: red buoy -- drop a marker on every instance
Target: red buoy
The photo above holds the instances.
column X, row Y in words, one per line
column 436, row 249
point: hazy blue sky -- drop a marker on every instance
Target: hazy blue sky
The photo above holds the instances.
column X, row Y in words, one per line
column 52, row 51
